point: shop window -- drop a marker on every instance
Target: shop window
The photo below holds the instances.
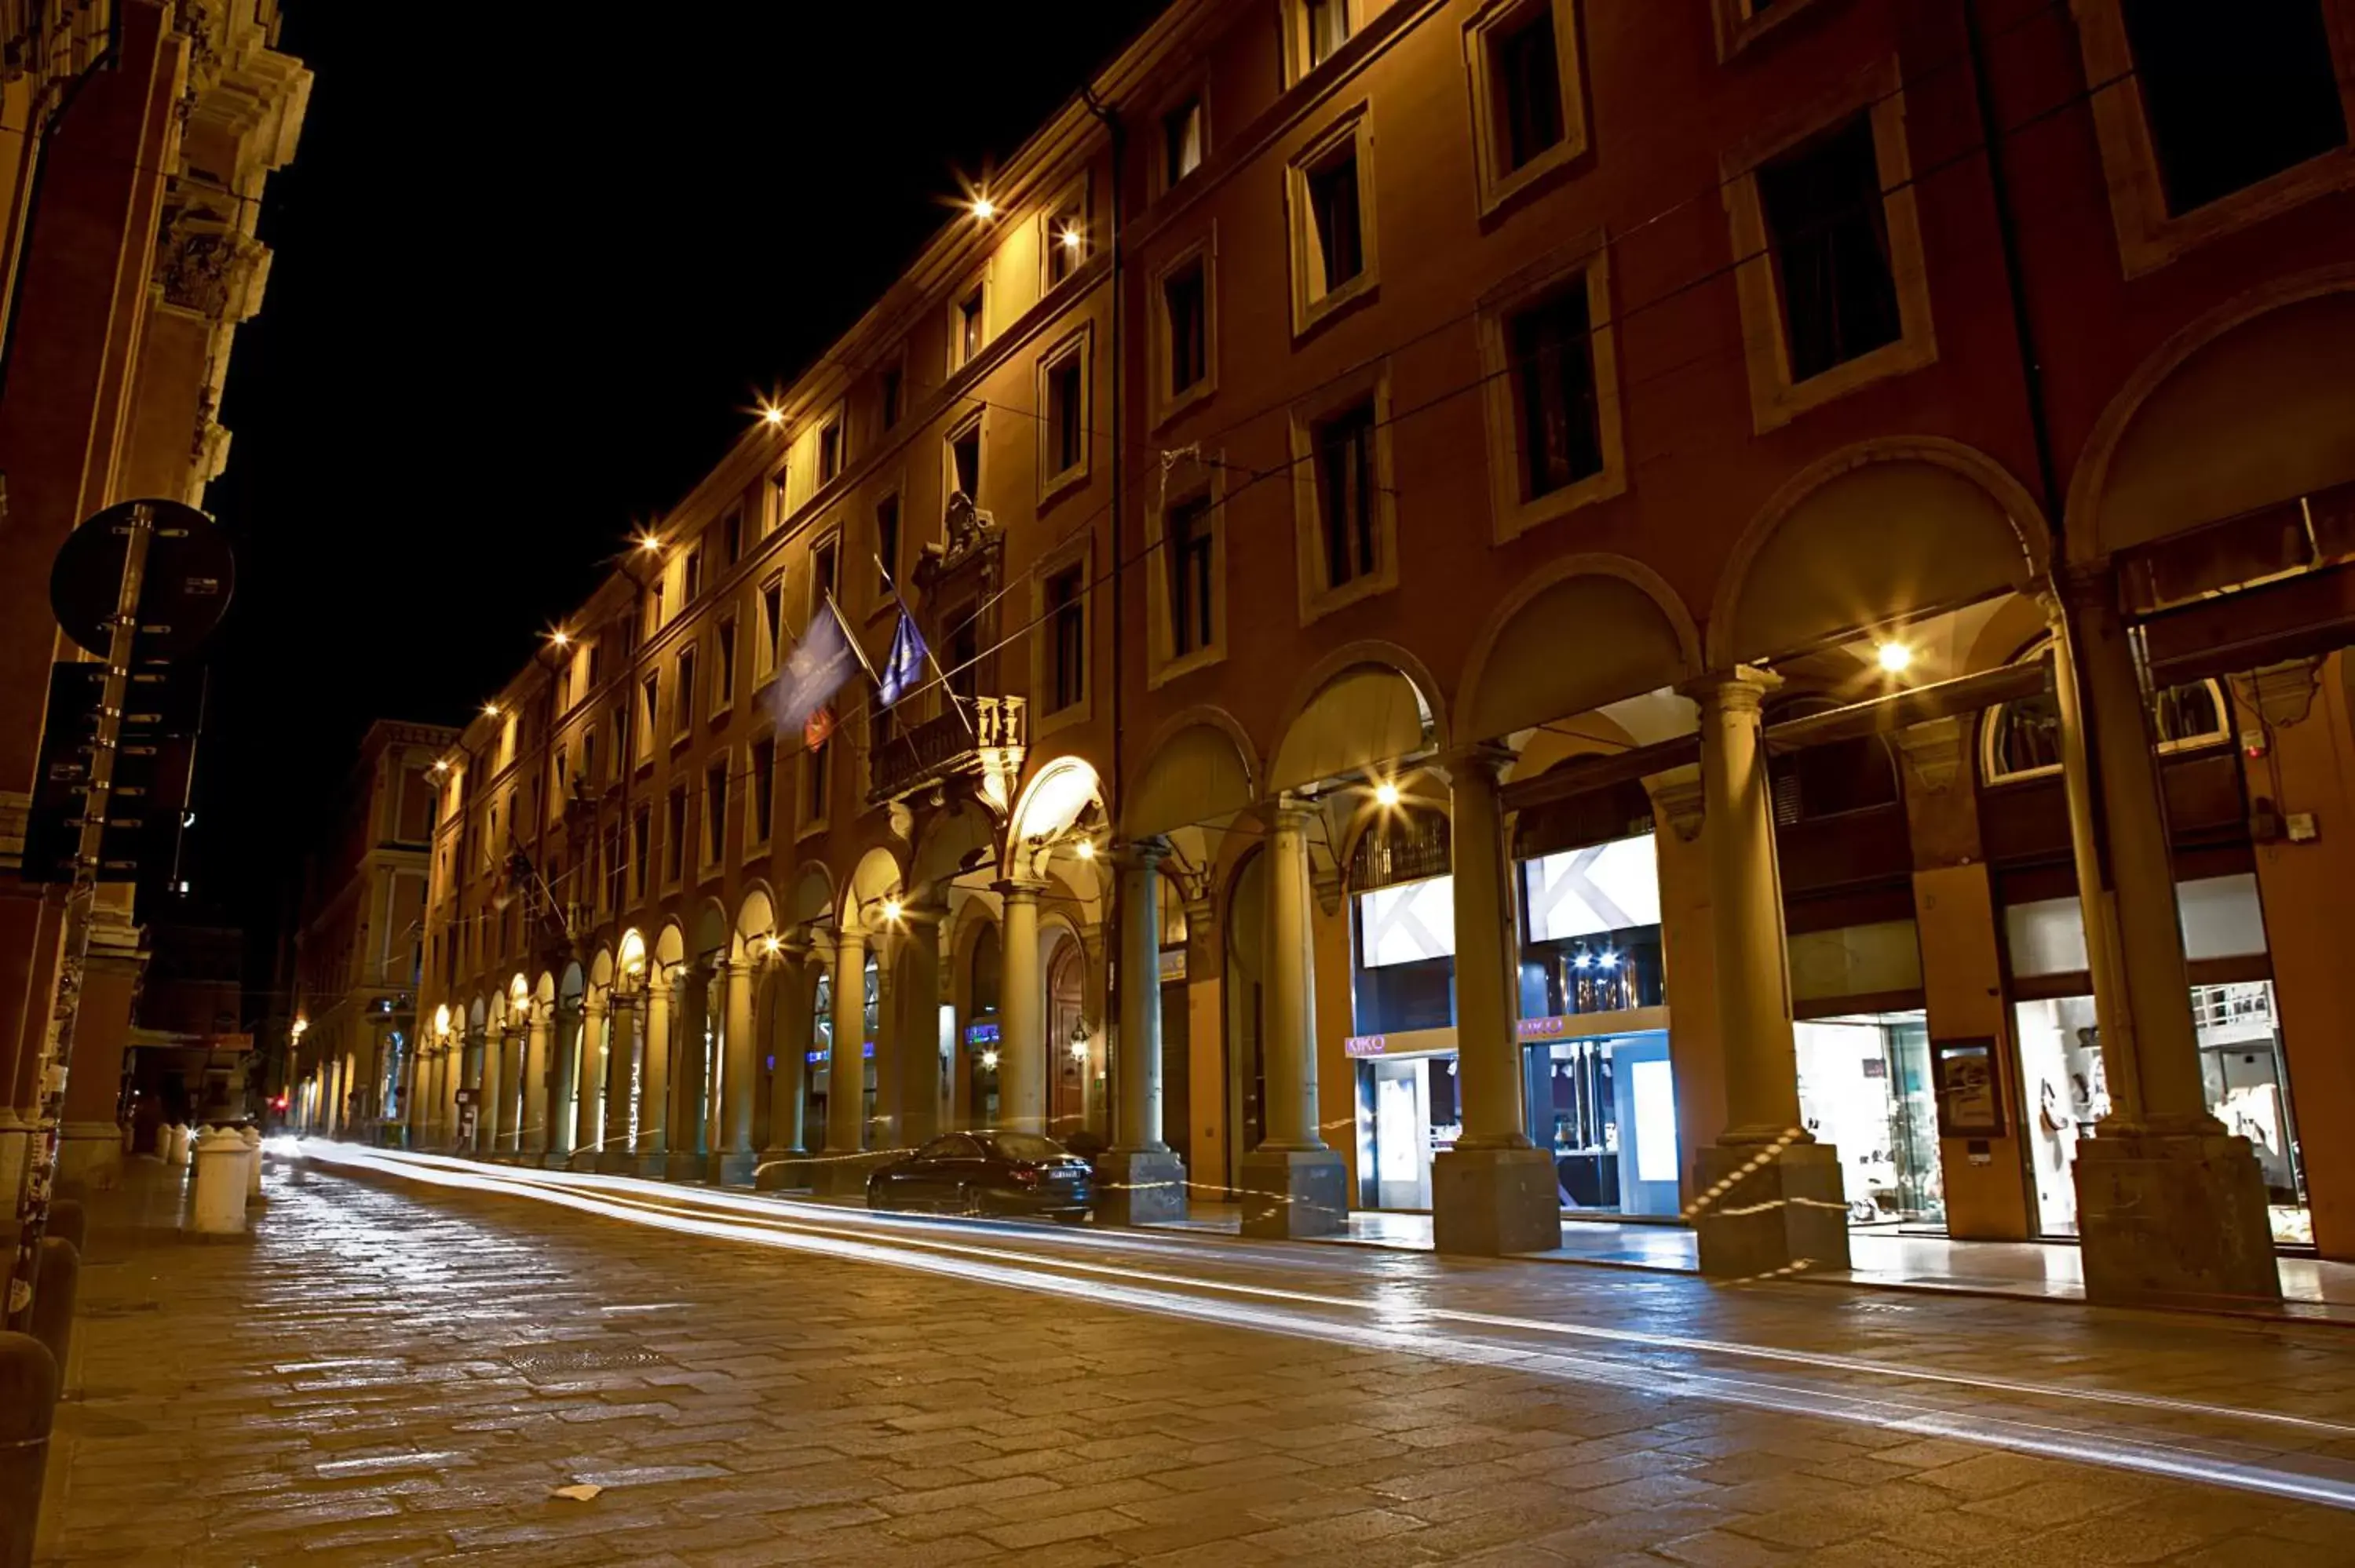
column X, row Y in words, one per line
column 1333, row 253
column 715, row 812
column 1865, row 1088
column 1181, row 141
column 1830, row 237
column 1591, row 934
column 2231, row 101
column 1405, row 976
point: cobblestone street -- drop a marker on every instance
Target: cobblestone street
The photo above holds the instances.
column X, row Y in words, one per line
column 392, row 1372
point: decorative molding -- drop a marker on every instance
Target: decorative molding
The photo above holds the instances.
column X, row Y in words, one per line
column 2284, row 693
column 1934, row 752
column 1677, row 798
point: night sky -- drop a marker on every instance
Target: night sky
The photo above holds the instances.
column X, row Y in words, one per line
column 530, row 273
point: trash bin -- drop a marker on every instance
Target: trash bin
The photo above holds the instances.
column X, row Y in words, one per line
column 220, row 1206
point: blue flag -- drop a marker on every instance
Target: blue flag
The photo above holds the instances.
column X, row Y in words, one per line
column 903, row 670
column 820, row 663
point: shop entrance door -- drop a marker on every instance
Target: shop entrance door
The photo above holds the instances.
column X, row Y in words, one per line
column 1864, row 1087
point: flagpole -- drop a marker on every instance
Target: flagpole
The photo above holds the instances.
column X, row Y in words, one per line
column 956, row 704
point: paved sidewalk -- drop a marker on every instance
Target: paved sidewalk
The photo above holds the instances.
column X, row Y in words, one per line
column 390, row 1373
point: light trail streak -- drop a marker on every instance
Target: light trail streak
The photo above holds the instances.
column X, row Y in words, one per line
column 2218, row 1461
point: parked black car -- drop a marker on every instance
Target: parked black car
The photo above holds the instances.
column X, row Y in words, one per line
column 986, row 1173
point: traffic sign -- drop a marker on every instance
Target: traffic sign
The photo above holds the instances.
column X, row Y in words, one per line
column 184, row 584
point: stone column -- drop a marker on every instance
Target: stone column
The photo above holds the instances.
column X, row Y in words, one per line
column 589, row 1112
column 1140, row 1179
column 30, row 925
column 1021, row 1013
column 916, row 1013
column 1293, row 1184
column 1769, row 1196
column 623, row 1040
column 732, row 1159
column 1492, row 1193
column 846, row 1075
column 690, row 1062
column 782, row 1163
column 487, row 1089
column 651, row 1150
column 1095, row 1015
column 564, row 1047
column 90, row 1141
column 531, row 1141
column 2170, row 1207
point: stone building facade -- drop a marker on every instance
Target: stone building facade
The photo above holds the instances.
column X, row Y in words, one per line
column 1704, row 612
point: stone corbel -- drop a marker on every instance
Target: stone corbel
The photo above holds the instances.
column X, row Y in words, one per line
column 1934, row 753
column 2284, row 693
column 1675, row 796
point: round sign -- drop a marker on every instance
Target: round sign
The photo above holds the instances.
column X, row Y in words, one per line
column 183, row 591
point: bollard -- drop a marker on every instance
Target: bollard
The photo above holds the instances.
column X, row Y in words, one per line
column 175, row 1149
column 55, row 1286
column 69, row 1222
column 220, row 1206
column 28, row 1402
column 253, row 1193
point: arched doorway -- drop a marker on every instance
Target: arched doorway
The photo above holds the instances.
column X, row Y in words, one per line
column 984, row 973
column 1067, row 1039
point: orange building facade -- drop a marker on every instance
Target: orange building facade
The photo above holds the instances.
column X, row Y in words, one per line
column 1725, row 615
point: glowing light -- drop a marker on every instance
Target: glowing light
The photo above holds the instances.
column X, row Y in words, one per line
column 1580, row 962
column 490, row 710
column 441, row 764
column 1893, row 657
column 559, row 639
column 989, row 1060
column 1386, row 795
column 771, row 415
column 1609, row 960
column 891, row 910
column 1085, row 849
column 984, row 208
column 771, row 946
column 1073, row 238
column 649, row 543
column 1078, row 1049
column 301, row 1024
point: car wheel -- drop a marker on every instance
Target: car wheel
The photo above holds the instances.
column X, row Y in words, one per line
column 968, row 1202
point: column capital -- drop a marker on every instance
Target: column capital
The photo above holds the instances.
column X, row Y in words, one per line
column 1019, row 890
column 1742, row 689
column 1483, row 759
column 1147, row 853
column 2082, row 585
column 1292, row 808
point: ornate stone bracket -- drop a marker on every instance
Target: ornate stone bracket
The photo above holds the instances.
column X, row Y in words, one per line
column 1934, row 753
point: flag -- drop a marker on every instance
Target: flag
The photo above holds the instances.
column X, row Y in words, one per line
column 818, row 668
column 905, row 667
column 819, row 728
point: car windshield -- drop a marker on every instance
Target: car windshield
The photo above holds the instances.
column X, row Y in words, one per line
column 1026, row 1146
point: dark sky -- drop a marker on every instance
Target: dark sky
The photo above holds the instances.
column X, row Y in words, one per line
column 530, row 269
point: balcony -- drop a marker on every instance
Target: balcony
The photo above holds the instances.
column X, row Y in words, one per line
column 985, row 740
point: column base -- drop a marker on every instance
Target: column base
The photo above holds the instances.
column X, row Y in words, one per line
column 558, row 1160
column 1486, row 1202
column 1294, row 1192
column 1787, row 1213
column 650, row 1167
column 2174, row 1219
column 730, row 1170
column 584, row 1160
column 90, row 1155
column 835, row 1174
column 780, row 1170
column 1140, row 1186
column 685, row 1167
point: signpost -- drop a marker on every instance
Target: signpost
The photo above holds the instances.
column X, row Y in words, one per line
column 141, row 584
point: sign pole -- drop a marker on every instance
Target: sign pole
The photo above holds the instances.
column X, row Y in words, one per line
column 81, row 908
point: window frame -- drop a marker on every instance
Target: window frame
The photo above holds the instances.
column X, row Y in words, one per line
column 682, row 702
column 1313, row 302
column 2150, row 237
column 1498, row 185
column 1054, row 482
column 1370, row 384
column 712, row 835
column 1208, row 483
column 889, row 552
column 976, row 424
column 1076, row 197
column 1299, row 56
column 1512, row 515
column 1078, row 554
column 678, row 811
column 724, row 648
column 1195, row 94
column 814, row 787
column 1740, row 24
column 770, row 618
column 1165, row 404
column 649, row 716
column 834, row 423
column 1774, row 398
column 979, row 287
column 831, row 539
column 759, row 795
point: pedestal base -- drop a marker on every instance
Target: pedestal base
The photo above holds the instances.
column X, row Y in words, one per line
column 558, row 1160
column 834, row 1174
column 1140, row 1186
column 1486, row 1202
column 685, row 1167
column 650, row 1167
column 583, row 1160
column 2174, row 1219
column 1787, row 1213
column 730, row 1170
column 781, row 1170
column 90, row 1156
column 1294, row 1192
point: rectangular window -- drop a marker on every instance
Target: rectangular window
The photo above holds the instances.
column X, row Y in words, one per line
column 715, row 812
column 1554, row 392
column 589, row 755
column 773, row 624
column 1191, row 576
column 964, row 463
column 964, row 652
column 596, row 663
column 560, row 789
column 887, row 543
column 724, row 687
column 682, row 705
column 1185, row 297
column 674, row 839
column 1066, row 628
column 1829, row 236
column 1346, row 494
column 642, row 839
column 1181, row 141
column 763, row 785
column 1527, row 75
column 2234, row 98
column 894, row 392
column 649, row 712
column 731, row 536
column 1333, row 211
column 692, row 576
column 814, row 780
column 968, row 327
column 1067, row 438
column 653, row 607
column 1328, row 24
column 1066, row 242
column 823, row 580
column 829, row 452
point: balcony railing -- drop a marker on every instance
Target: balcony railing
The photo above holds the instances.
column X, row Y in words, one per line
column 953, row 743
